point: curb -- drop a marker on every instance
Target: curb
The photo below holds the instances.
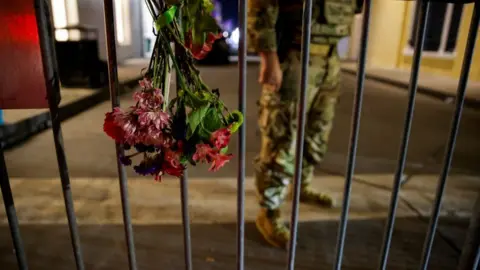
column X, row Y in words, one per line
column 445, row 97
column 13, row 135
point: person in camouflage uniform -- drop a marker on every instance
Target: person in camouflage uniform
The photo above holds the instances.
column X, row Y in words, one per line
column 274, row 31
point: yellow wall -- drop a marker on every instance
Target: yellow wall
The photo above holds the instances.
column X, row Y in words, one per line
column 448, row 65
column 389, row 33
column 462, row 42
column 386, row 22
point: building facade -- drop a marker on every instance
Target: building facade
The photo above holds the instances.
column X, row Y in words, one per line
column 392, row 35
column 128, row 24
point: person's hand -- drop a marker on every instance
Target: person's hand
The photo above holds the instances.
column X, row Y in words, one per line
column 270, row 71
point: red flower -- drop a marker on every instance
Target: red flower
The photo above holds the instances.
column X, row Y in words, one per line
column 158, row 177
column 180, row 145
column 221, row 138
column 203, row 153
column 199, row 51
column 112, row 129
column 219, row 160
column 171, row 163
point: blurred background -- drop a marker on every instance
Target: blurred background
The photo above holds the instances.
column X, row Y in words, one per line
column 80, row 47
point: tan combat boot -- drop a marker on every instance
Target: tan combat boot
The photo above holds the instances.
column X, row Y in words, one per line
column 271, row 226
column 310, row 196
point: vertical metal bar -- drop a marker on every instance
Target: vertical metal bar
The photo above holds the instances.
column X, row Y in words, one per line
column 462, row 87
column 187, row 242
column 242, row 101
column 65, row 179
column 12, row 214
column 417, row 56
column 471, row 249
column 342, row 230
column 114, row 96
column 46, row 36
column 306, row 32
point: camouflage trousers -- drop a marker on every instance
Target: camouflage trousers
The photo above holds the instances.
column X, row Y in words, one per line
column 274, row 166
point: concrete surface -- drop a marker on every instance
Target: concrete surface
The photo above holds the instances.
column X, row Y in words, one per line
column 155, row 207
column 91, row 153
column 158, row 231
column 126, row 72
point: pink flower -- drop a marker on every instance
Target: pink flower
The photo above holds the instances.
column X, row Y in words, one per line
column 219, row 160
column 159, row 119
column 129, row 127
column 220, row 138
column 203, row 153
column 145, row 83
column 149, row 99
column 152, row 136
column 125, row 121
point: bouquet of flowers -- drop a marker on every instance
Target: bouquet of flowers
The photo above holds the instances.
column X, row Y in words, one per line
column 193, row 127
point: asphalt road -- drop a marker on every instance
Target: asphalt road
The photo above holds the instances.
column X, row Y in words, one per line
column 91, row 154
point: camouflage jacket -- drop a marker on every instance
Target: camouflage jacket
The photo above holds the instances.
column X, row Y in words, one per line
column 273, row 24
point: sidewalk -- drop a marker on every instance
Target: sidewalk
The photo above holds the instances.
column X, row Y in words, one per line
column 22, row 124
column 437, row 86
column 157, row 220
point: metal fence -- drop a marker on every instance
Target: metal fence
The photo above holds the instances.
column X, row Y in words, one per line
column 471, row 252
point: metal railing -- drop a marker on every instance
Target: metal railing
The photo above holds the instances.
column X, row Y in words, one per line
column 471, row 252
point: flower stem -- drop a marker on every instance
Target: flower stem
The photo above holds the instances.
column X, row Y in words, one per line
column 183, row 85
column 155, row 67
column 166, row 84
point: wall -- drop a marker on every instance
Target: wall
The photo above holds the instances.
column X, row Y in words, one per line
column 430, row 63
column 449, row 65
column 462, row 42
column 390, row 27
column 91, row 14
column 385, row 34
column 355, row 38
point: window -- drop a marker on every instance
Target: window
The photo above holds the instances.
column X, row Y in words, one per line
column 122, row 21
column 443, row 24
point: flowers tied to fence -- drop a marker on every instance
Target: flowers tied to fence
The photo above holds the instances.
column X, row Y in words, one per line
column 193, row 127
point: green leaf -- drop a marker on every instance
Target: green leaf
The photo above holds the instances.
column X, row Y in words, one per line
column 198, row 34
column 209, row 24
column 166, row 18
column 236, row 120
column 224, row 150
column 203, row 25
column 208, row 6
column 195, row 118
column 184, row 160
column 213, row 120
column 203, row 133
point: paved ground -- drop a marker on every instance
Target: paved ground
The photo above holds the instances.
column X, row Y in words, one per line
column 155, row 207
column 158, row 231
column 90, row 152
column 128, row 71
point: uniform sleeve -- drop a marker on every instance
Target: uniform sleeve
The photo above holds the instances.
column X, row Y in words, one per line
column 262, row 17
